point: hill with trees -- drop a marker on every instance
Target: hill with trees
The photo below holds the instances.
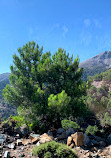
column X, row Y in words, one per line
column 99, row 96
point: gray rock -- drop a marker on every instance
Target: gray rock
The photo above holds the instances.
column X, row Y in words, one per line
column 11, row 146
column 94, row 143
column 69, row 132
column 62, row 136
column 7, row 154
column 99, row 138
column 87, row 141
column 102, row 143
column 60, row 131
column 3, row 138
column 24, row 130
column 109, row 138
column 50, row 133
column 32, row 136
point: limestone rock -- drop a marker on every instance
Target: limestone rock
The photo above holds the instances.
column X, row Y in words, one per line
column 69, row 141
column 35, row 140
column 45, row 138
column 78, row 138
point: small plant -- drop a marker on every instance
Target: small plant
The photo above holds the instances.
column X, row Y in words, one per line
column 53, row 149
column 92, row 130
column 68, row 123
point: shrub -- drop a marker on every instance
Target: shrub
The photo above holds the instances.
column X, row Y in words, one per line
column 105, row 120
column 53, row 149
column 68, row 123
column 91, row 130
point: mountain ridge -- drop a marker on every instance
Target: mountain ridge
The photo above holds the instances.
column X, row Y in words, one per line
column 96, row 64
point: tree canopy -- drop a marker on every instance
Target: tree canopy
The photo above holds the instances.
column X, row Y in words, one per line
column 45, row 84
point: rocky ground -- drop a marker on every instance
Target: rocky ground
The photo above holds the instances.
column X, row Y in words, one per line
column 20, row 143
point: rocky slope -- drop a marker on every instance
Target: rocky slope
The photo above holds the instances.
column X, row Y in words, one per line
column 97, row 64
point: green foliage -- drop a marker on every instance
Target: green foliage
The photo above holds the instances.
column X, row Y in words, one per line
column 91, row 130
column 40, row 83
column 105, row 119
column 53, row 149
column 59, row 103
column 98, row 99
column 20, row 120
column 68, row 123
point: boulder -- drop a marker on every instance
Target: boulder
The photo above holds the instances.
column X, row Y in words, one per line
column 24, row 130
column 78, row 138
column 3, row 138
column 26, row 141
column 69, row 131
column 87, row 141
column 69, row 141
column 109, row 138
column 62, row 136
column 11, row 146
column 60, row 131
column 45, row 138
column 32, row 136
column 35, row 140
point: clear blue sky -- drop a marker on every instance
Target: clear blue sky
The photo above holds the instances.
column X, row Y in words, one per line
column 81, row 27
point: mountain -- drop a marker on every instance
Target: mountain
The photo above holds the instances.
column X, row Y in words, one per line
column 4, row 80
column 5, row 109
column 96, row 65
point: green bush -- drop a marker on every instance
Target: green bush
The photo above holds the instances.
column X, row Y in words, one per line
column 105, row 120
column 91, row 130
column 68, row 123
column 53, row 149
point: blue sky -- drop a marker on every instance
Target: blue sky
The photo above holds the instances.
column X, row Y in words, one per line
column 81, row 27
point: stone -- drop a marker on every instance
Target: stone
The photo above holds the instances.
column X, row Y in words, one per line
column 94, row 142
column 32, row 136
column 60, row 131
column 45, row 138
column 69, row 132
column 24, row 130
column 102, row 143
column 3, row 138
column 7, row 154
column 72, row 145
column 62, row 136
column 109, row 138
column 11, row 146
column 38, row 144
column 69, row 141
column 35, row 140
column 78, row 138
column 87, row 141
column 19, row 142
column 22, row 155
column 26, row 141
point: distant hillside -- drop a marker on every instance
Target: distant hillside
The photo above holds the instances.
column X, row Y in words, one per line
column 4, row 80
column 99, row 93
column 96, row 65
column 5, row 109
